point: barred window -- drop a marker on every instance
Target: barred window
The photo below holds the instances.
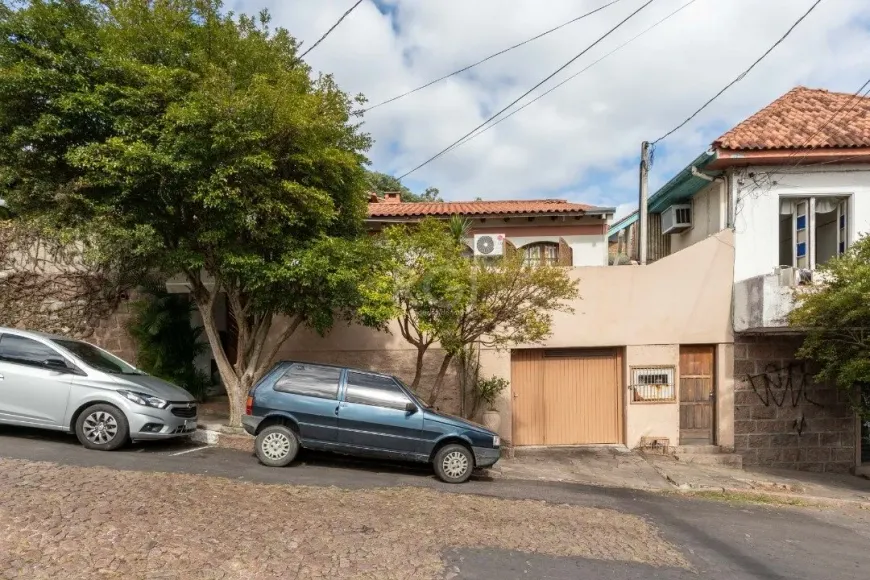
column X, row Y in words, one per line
column 541, row 253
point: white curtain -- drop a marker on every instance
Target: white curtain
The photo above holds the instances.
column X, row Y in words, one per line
column 827, row 204
column 788, row 206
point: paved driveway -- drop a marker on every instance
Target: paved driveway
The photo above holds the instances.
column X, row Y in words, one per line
column 177, row 511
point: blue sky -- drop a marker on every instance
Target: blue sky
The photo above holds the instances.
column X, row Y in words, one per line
column 582, row 141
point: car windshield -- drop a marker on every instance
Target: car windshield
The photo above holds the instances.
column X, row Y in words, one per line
column 411, row 392
column 96, row 358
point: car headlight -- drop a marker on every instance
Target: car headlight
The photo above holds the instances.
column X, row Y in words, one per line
column 146, row 400
column 496, row 441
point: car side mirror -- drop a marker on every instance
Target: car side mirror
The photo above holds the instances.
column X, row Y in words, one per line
column 410, row 407
column 57, row 364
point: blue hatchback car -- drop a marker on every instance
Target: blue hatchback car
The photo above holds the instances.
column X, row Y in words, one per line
column 356, row 412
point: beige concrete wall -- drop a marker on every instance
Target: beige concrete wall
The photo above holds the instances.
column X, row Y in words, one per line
column 684, row 298
column 725, row 395
column 707, row 212
column 652, row 419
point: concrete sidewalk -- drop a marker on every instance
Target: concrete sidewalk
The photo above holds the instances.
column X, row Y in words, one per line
column 824, row 488
column 615, row 466
column 610, row 466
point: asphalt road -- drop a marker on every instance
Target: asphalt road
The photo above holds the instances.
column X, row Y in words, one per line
column 720, row 540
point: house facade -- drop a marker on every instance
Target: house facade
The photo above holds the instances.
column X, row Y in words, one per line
column 609, row 371
column 792, row 184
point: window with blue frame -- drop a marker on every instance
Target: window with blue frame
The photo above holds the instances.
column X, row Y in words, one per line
column 812, row 230
column 801, row 222
column 801, row 249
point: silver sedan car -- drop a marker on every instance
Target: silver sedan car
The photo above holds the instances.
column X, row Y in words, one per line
column 63, row 384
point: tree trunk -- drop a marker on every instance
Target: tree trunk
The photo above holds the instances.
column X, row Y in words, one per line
column 418, row 368
column 238, row 401
column 439, row 379
column 252, row 360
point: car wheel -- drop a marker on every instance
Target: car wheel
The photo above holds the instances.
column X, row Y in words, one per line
column 276, row 446
column 102, row 427
column 453, row 463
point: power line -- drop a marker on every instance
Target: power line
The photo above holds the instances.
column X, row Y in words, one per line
column 331, row 28
column 499, row 53
column 578, row 73
column 524, row 95
column 741, row 75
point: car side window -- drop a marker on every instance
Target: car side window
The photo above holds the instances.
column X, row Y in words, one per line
column 310, row 380
column 365, row 389
column 25, row 351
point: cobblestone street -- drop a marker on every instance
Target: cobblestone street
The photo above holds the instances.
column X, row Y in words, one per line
column 74, row 522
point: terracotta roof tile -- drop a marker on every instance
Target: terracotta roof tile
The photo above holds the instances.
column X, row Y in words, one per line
column 794, row 120
column 507, row 207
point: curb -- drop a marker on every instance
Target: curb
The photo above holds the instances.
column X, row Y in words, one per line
column 208, row 435
column 800, row 499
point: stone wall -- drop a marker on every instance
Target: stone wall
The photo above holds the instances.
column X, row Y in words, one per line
column 782, row 417
column 112, row 335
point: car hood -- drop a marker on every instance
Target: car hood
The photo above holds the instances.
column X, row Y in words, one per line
column 153, row 386
column 458, row 421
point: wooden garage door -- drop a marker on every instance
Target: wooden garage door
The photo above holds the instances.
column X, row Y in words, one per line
column 566, row 397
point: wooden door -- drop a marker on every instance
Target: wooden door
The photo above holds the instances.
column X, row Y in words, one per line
column 697, row 395
column 566, row 397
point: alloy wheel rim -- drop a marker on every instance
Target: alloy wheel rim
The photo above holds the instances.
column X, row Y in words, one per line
column 100, row 427
column 455, row 464
column 275, row 446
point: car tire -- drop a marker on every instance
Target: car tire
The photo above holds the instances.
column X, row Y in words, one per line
column 102, row 427
column 276, row 446
column 453, row 463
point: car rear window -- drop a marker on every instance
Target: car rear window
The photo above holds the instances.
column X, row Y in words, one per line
column 310, row 380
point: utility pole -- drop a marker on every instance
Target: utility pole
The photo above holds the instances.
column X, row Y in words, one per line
column 643, row 214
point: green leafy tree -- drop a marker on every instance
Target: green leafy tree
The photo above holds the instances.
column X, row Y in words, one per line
column 382, row 183
column 201, row 140
column 836, row 318
column 425, row 285
column 438, row 295
column 167, row 343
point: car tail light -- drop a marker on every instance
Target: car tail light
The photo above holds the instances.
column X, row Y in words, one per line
column 249, row 405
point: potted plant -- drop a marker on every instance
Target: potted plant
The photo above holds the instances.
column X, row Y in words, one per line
column 488, row 391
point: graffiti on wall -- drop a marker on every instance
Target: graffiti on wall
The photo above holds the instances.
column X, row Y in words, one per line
column 782, row 386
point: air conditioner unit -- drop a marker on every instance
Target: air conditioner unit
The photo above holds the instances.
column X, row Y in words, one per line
column 676, row 218
column 488, row 244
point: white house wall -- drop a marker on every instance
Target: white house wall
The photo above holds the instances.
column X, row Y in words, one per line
column 757, row 213
column 588, row 250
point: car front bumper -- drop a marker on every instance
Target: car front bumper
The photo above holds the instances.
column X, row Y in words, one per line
column 486, row 456
column 150, row 423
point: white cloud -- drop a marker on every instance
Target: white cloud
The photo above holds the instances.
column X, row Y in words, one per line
column 623, row 210
column 584, row 138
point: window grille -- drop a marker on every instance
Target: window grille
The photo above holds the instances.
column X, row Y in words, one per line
column 652, row 384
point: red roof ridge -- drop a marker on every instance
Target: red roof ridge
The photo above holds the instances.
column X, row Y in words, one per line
column 491, row 201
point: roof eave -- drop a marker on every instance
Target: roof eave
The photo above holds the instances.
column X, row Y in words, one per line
column 683, row 185
column 742, row 157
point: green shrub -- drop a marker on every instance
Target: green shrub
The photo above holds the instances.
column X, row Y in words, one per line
column 167, row 344
column 489, row 389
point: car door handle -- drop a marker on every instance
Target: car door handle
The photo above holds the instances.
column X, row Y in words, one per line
column 336, row 409
column 1, row 377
